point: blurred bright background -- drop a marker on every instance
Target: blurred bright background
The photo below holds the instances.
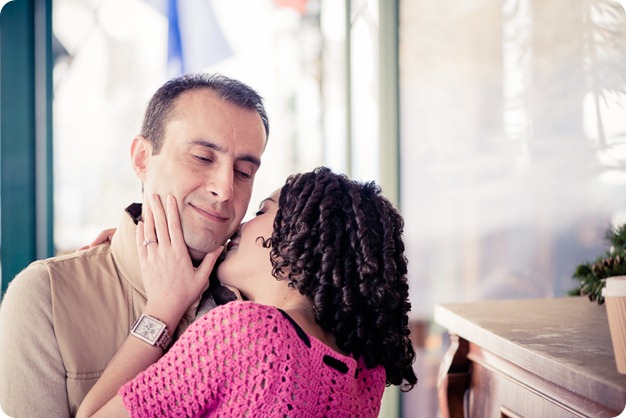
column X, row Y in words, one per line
column 498, row 127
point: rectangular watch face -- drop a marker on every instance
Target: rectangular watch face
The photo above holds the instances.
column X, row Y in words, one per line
column 148, row 329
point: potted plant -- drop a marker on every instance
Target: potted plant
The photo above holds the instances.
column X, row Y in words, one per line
column 592, row 275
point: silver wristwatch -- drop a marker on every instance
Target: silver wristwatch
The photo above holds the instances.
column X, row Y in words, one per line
column 152, row 331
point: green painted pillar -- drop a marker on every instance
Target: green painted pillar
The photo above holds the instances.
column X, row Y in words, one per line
column 389, row 96
column 25, row 135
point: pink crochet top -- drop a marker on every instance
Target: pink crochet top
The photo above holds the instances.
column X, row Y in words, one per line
column 245, row 359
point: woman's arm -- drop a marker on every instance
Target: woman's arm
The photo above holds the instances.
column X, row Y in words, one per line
column 102, row 400
column 172, row 284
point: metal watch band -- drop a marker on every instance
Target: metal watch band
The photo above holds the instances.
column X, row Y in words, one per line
column 152, row 331
column 164, row 340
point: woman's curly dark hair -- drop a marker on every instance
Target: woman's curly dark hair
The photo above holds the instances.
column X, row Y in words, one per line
column 339, row 242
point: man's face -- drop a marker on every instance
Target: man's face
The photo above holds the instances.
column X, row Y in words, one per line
column 210, row 154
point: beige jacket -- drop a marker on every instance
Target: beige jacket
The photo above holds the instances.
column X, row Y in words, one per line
column 62, row 320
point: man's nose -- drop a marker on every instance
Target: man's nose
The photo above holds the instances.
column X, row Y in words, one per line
column 221, row 185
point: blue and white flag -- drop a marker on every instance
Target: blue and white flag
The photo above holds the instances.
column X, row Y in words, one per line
column 195, row 38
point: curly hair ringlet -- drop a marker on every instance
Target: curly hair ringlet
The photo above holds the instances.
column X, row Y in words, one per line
column 339, row 242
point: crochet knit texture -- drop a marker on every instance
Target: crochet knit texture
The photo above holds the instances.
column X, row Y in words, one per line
column 245, row 359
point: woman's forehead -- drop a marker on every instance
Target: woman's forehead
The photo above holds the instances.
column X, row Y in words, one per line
column 271, row 198
column 275, row 195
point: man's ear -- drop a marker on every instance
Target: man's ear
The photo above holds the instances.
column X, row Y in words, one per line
column 140, row 151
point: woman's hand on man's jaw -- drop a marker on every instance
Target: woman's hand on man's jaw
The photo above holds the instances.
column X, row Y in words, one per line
column 171, row 281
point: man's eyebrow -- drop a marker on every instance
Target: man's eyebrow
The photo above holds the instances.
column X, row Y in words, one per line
column 216, row 147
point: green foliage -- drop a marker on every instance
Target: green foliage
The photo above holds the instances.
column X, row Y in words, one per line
column 592, row 275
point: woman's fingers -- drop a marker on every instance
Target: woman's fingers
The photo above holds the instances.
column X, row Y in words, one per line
column 160, row 222
column 149, row 232
column 102, row 238
column 139, row 237
column 204, row 269
column 170, row 277
column 173, row 223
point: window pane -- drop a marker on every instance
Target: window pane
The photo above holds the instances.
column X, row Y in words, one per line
column 513, row 133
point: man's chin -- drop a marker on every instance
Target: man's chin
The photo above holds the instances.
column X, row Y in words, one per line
column 198, row 253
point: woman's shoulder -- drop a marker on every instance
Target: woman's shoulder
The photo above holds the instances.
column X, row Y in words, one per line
column 243, row 307
column 244, row 313
column 238, row 322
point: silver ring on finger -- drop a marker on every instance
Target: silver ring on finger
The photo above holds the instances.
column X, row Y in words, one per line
column 147, row 242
